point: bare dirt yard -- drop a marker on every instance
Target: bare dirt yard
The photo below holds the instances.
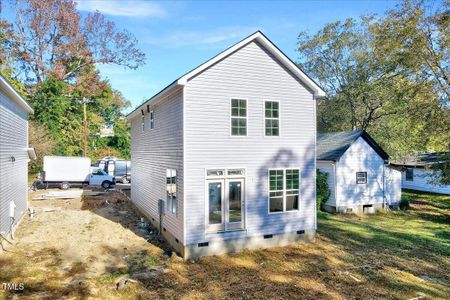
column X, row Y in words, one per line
column 96, row 247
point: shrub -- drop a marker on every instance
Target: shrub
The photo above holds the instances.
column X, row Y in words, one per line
column 404, row 202
column 322, row 189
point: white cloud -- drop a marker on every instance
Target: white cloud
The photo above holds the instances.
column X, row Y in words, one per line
column 201, row 38
column 122, row 8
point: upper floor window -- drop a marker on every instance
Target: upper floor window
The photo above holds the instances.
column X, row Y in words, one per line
column 152, row 123
column 143, row 123
column 409, row 175
column 171, row 190
column 284, row 190
column 272, row 118
column 239, row 117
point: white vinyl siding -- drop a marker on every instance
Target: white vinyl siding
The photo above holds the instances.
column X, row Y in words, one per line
column 329, row 168
column 250, row 73
column 152, row 153
column 360, row 157
column 421, row 182
column 13, row 172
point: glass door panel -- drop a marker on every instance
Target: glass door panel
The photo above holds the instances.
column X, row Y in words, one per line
column 235, row 201
column 215, row 203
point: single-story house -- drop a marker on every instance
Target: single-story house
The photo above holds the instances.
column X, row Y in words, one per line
column 359, row 176
column 14, row 157
column 224, row 157
column 417, row 175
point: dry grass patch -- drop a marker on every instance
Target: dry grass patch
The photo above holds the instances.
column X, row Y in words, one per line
column 77, row 253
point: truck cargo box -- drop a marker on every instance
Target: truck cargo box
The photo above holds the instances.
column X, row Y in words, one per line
column 66, row 168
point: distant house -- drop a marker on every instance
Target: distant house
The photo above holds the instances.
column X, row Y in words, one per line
column 416, row 174
column 14, row 156
column 359, row 176
column 224, row 157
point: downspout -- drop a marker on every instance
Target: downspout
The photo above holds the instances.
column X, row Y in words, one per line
column 335, row 186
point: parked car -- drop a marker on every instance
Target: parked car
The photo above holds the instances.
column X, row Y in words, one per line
column 64, row 171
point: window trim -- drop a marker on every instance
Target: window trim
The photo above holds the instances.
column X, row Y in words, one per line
column 152, row 119
column 143, row 123
column 225, row 177
column 284, row 190
column 366, row 177
column 265, row 118
column 231, row 117
column 170, row 199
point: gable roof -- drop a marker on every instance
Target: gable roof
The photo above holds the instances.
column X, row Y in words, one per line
column 14, row 95
column 265, row 42
column 332, row 145
column 424, row 159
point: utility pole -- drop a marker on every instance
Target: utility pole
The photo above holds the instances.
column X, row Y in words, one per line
column 85, row 101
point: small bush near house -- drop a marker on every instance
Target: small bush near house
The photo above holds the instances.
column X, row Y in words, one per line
column 404, row 202
column 323, row 190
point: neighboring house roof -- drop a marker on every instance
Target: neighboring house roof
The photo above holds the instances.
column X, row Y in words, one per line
column 423, row 159
column 332, row 145
column 14, row 95
column 266, row 43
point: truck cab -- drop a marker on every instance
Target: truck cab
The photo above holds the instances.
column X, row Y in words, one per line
column 99, row 177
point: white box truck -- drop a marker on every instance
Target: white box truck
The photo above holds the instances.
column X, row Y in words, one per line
column 64, row 171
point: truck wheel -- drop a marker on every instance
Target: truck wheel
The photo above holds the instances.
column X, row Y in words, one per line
column 106, row 184
column 124, row 179
column 64, row 186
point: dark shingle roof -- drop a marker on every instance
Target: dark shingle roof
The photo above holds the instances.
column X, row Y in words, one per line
column 332, row 145
column 424, row 159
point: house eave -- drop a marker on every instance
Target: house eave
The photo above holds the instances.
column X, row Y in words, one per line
column 160, row 95
column 15, row 96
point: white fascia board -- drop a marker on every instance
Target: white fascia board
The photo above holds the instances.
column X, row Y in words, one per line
column 8, row 88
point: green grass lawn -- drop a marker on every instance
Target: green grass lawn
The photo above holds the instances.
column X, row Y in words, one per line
column 411, row 248
column 388, row 255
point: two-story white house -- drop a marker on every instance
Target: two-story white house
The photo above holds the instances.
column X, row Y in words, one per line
column 228, row 150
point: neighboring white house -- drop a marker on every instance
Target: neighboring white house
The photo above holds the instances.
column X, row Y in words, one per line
column 359, row 176
column 14, row 157
column 229, row 149
column 416, row 174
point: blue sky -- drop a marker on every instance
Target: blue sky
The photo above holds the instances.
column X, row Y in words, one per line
column 177, row 36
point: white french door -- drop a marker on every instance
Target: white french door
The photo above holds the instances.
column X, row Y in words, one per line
column 225, row 204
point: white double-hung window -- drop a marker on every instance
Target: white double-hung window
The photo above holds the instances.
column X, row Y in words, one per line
column 284, row 190
column 152, row 121
column 238, row 117
column 171, row 190
column 272, row 118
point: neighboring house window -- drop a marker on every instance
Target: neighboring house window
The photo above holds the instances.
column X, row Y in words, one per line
column 361, row 177
column 171, row 190
column 238, row 117
column 272, row 118
column 152, row 124
column 409, row 174
column 284, row 188
column 143, row 123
